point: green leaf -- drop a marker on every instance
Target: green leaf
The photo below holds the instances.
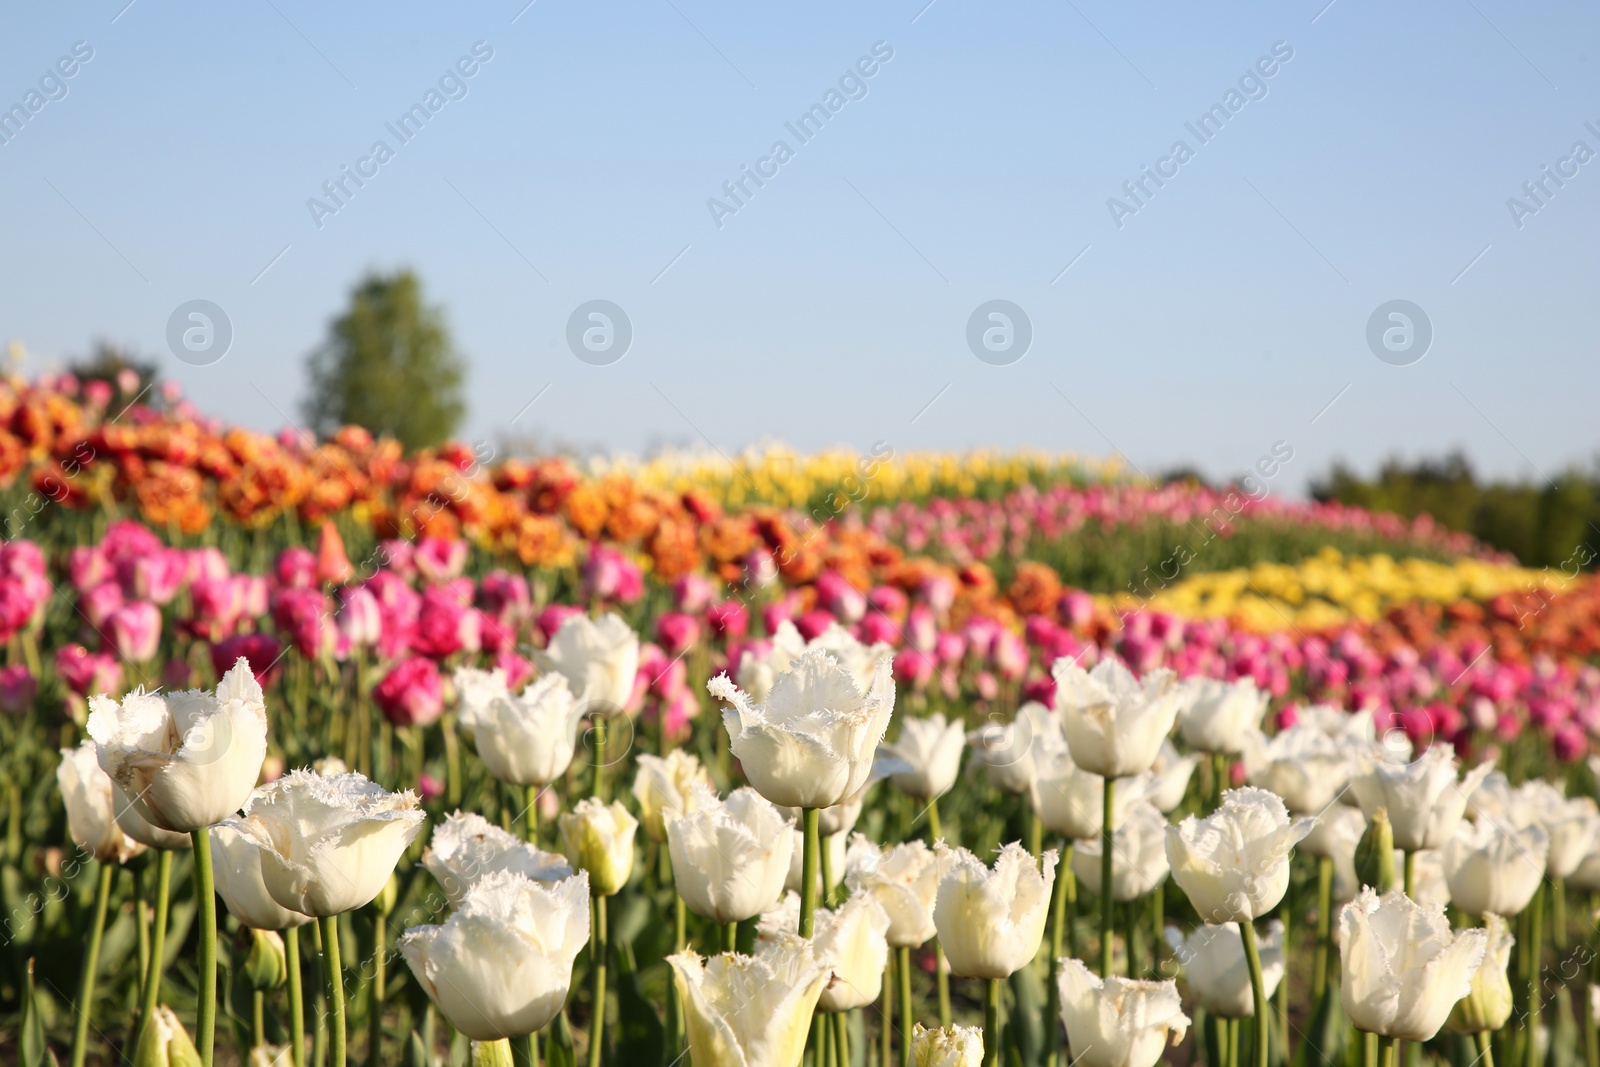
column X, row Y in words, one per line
column 558, row 1049
column 641, row 1038
column 32, row 1041
column 1024, row 1024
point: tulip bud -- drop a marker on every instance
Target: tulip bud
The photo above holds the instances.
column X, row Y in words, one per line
column 270, row 1056
column 165, row 1043
column 1488, row 1006
column 1375, row 853
column 491, row 1053
column 599, row 839
column 265, row 966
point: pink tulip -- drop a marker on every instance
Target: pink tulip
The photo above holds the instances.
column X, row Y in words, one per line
column 913, row 667
column 18, row 687
column 99, row 602
column 411, row 694
column 692, row 593
column 87, row 673
column 504, row 596
column 950, row 649
column 126, row 539
column 175, row 675
column 1569, row 743
column 551, row 618
column 87, row 567
column 399, row 557
column 439, row 560
column 262, row 651
column 1010, row 658
column 305, row 617
column 839, row 597
column 444, row 626
column 602, row 573
column 814, row 624
column 776, row 614
column 429, row 788
column 519, row 672
column 876, row 628
column 922, row 629
column 135, row 630
column 728, row 619
column 156, row 576
column 677, row 631
column 207, row 563
column 296, row 568
column 987, row 685
column 888, row 600
column 360, row 619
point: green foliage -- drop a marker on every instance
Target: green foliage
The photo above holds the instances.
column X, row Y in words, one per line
column 389, row 365
column 1542, row 523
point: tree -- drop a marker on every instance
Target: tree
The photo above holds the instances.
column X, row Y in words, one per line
column 388, row 365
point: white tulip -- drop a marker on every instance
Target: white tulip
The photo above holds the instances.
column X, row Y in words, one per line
column 1573, row 825
column 833, row 846
column 756, row 673
column 1139, row 849
column 862, row 661
column 1234, row 864
column 1303, row 765
column 904, row 879
column 530, row 739
column 1403, row 967
column 849, row 939
column 466, row 847
column 138, row 827
column 666, row 785
column 1010, row 752
column 730, row 858
column 1118, row 1022
column 598, row 838
column 1428, row 883
column 239, row 879
column 956, row 1046
column 1171, row 774
column 1495, row 871
column 501, row 964
column 1488, row 1006
column 91, row 806
column 1114, row 723
column 1586, row 879
column 599, row 660
column 1334, row 837
column 990, row 921
column 1424, row 800
column 811, row 745
column 749, row 1011
column 1216, row 971
column 187, row 760
column 1217, row 716
column 1070, row 801
column 932, row 749
column 475, row 688
column 328, row 845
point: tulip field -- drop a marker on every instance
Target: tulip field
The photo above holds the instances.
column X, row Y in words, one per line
column 319, row 752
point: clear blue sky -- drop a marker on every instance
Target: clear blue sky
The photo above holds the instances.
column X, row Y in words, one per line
column 1223, row 316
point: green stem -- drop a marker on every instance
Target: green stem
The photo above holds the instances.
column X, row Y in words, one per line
column 1282, row 997
column 378, row 988
column 1130, row 930
column 680, row 938
column 525, row 1051
column 334, row 974
column 205, row 1025
column 808, row 872
column 1485, row 1048
column 730, row 937
column 1058, row 917
column 141, row 916
column 1252, row 955
column 1386, row 1045
column 886, row 1012
column 532, row 816
column 1369, row 1050
column 597, row 982
column 91, row 963
column 841, row 1039
column 1235, row 1027
column 158, row 941
column 903, row 972
column 599, row 789
column 297, row 1003
column 991, row 1022
column 941, row 973
column 1534, row 950
column 935, row 831
column 1106, row 911
column 826, row 862
column 1319, row 974
column 258, row 1017
column 1411, row 874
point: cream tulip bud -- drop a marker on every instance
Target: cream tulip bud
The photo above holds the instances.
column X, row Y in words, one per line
column 1010, row 752
column 530, row 739
column 904, row 879
column 598, row 838
column 599, row 660
column 165, row 1043
column 932, row 750
column 466, row 847
column 1374, row 857
column 501, row 964
column 1234, row 864
column 849, row 939
column 86, row 791
column 328, row 845
column 1139, row 849
column 1217, row 972
column 1572, row 825
column 1118, row 1022
column 1495, row 871
column 749, row 1011
column 236, row 863
column 1403, row 967
column 664, row 785
column 270, row 1056
column 730, row 858
column 1114, row 723
column 991, row 920
column 1424, row 800
column 1303, row 765
column 186, row 760
column 1488, row 1006
column 811, row 745
column 1218, row 716
column 955, row 1046
column 1070, row 801
column 1171, row 774
column 475, row 688
column 266, row 963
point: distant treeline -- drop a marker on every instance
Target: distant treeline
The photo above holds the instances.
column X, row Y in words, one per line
column 1541, row 523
